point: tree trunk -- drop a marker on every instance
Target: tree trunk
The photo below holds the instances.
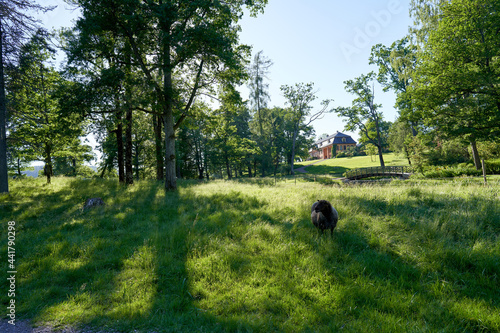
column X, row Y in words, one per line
column 136, row 159
column 475, row 155
column 129, row 172
column 380, row 156
column 379, row 145
column 407, row 153
column 228, row 169
column 295, row 133
column 158, row 145
column 47, row 169
column 168, row 114
column 170, row 175
column 119, row 147
column 18, row 166
column 4, row 175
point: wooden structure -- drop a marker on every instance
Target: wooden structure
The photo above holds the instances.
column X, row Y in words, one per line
column 389, row 171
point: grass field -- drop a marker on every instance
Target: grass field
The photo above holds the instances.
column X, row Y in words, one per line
column 337, row 166
column 421, row 256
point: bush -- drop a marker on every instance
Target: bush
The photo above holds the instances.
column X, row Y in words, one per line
column 492, row 166
column 462, row 169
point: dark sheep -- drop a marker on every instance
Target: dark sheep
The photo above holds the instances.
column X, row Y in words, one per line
column 324, row 216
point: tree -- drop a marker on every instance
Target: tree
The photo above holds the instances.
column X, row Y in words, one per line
column 299, row 99
column 35, row 94
column 14, row 26
column 456, row 84
column 396, row 66
column 259, row 95
column 180, row 48
column 425, row 14
column 364, row 111
column 371, row 132
column 400, row 136
column 371, row 150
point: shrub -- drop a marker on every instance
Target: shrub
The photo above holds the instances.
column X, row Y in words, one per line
column 492, row 166
column 462, row 169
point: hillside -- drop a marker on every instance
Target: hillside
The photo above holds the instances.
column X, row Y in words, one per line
column 337, row 166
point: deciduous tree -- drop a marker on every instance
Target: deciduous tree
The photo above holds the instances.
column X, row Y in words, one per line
column 15, row 25
column 364, row 111
column 457, row 85
column 299, row 99
column 180, row 47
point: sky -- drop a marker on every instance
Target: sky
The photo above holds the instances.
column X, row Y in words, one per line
column 325, row 42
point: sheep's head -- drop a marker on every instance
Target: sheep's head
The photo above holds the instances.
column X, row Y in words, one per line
column 322, row 206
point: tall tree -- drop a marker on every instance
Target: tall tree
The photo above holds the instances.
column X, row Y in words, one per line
column 259, row 97
column 396, row 66
column 457, row 83
column 299, row 99
column 34, row 104
column 259, row 94
column 180, row 47
column 425, row 14
column 15, row 25
column 364, row 111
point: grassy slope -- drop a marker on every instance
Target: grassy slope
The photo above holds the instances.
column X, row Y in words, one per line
column 337, row 166
column 229, row 256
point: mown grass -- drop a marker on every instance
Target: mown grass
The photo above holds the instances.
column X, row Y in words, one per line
column 337, row 166
column 421, row 256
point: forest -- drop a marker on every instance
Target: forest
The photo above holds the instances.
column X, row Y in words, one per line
column 156, row 83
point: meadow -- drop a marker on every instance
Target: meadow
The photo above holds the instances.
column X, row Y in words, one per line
column 337, row 166
column 243, row 256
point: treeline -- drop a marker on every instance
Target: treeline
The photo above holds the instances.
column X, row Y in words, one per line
column 157, row 83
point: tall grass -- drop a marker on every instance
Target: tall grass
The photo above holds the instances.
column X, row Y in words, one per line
column 234, row 256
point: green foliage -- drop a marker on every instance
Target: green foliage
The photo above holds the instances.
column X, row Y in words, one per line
column 177, row 49
column 40, row 128
column 364, row 112
column 367, row 134
column 299, row 99
column 237, row 256
column 462, row 169
column 492, row 166
column 456, row 83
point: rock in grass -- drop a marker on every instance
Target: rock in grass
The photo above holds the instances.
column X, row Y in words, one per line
column 93, row 202
column 324, row 216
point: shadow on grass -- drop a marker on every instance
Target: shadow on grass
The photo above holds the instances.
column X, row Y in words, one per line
column 228, row 261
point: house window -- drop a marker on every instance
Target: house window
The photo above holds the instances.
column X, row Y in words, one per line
column 343, row 139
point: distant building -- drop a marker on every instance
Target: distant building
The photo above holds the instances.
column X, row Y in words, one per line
column 322, row 149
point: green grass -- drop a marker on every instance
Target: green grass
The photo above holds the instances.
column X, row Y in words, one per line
column 414, row 256
column 337, row 166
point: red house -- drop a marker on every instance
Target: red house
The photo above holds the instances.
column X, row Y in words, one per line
column 322, row 149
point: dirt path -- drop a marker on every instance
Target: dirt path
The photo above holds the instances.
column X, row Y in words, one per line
column 24, row 326
column 302, row 169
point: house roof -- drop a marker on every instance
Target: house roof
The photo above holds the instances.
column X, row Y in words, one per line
column 336, row 138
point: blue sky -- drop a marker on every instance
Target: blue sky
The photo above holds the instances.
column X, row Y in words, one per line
column 325, row 42
column 321, row 41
